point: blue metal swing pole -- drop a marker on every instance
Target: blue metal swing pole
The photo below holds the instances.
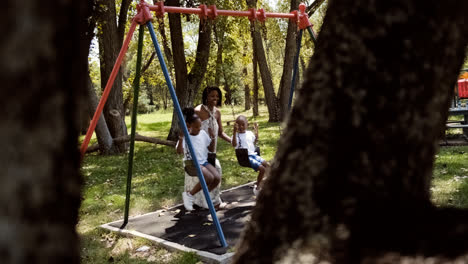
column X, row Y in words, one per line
column 296, row 68
column 186, row 134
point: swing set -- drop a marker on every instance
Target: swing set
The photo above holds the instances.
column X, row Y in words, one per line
column 144, row 17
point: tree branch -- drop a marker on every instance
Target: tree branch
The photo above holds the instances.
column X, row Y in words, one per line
column 125, row 139
column 122, row 19
column 314, row 6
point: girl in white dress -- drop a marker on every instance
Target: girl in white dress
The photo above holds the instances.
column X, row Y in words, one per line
column 211, row 118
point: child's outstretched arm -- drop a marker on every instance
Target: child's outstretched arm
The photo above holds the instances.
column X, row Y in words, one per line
column 211, row 147
column 180, row 147
column 234, row 131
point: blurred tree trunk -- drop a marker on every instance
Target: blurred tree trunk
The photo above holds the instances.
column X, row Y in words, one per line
column 43, row 73
column 350, row 182
column 188, row 84
column 110, row 38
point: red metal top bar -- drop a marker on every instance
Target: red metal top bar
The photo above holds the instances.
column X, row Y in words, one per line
column 211, row 11
column 298, row 16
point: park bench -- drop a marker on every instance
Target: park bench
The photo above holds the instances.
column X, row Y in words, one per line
column 463, row 124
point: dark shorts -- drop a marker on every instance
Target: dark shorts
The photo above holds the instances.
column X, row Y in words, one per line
column 255, row 161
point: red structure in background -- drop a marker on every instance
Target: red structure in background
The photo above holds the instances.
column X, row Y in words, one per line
column 463, row 88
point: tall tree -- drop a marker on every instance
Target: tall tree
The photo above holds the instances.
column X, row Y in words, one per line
column 187, row 83
column 289, row 52
column 103, row 135
column 43, row 73
column 110, row 35
column 219, row 31
column 270, row 96
column 350, row 182
column 255, row 82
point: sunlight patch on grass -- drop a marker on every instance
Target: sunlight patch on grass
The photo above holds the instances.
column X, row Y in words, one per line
column 450, row 177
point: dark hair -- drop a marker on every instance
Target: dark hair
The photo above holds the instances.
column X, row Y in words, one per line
column 190, row 115
column 208, row 90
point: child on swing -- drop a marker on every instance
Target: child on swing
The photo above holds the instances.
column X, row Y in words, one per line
column 201, row 142
column 245, row 139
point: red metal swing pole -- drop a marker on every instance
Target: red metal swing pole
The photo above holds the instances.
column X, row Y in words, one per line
column 106, row 92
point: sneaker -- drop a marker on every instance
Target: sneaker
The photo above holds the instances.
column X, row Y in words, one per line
column 256, row 190
column 188, row 201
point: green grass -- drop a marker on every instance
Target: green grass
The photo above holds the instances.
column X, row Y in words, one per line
column 450, row 178
column 158, row 182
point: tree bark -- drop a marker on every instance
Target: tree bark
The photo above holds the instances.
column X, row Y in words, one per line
column 219, row 53
column 247, row 97
column 104, row 138
column 43, row 74
column 167, row 51
column 350, row 182
column 246, row 87
column 187, row 83
column 270, row 97
column 288, row 64
column 255, row 82
column 110, row 38
column 220, row 70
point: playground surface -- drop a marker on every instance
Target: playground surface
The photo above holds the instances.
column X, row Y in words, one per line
column 177, row 229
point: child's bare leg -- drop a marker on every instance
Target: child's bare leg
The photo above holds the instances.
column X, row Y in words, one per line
column 261, row 172
column 216, row 176
column 195, row 189
column 208, row 176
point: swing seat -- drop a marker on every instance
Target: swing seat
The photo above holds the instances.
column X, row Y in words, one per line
column 190, row 168
column 242, row 155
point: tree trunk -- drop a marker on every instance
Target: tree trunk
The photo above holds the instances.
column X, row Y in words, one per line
column 350, row 182
column 246, row 88
column 43, row 75
column 255, row 83
column 220, row 70
column 247, row 97
column 187, row 83
column 167, row 52
column 219, row 54
column 110, row 41
column 103, row 135
column 270, row 97
column 288, row 64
